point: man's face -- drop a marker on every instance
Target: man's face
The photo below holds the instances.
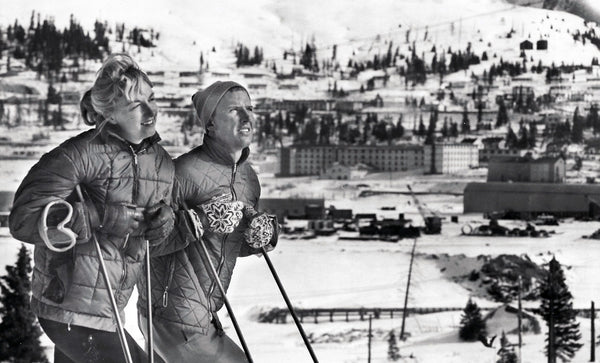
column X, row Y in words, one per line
column 233, row 121
column 136, row 118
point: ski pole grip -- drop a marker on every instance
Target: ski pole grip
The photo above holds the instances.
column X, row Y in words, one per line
column 57, row 246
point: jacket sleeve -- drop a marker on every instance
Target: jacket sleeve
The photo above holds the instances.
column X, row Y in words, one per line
column 246, row 249
column 54, row 177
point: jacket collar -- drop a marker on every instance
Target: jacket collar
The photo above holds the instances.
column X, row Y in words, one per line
column 217, row 153
column 110, row 131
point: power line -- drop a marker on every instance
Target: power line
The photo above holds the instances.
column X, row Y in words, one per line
column 421, row 27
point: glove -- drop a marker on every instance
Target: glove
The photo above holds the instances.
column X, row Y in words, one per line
column 260, row 230
column 160, row 220
column 85, row 219
column 222, row 215
column 120, row 219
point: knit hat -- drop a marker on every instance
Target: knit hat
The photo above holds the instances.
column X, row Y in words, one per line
column 206, row 101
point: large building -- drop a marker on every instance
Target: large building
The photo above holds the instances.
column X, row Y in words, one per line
column 293, row 207
column 523, row 169
column 314, row 159
column 447, row 158
column 530, row 199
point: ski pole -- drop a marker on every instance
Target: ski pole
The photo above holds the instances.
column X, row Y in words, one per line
column 111, row 296
column 198, row 235
column 289, row 305
column 250, row 211
column 149, row 294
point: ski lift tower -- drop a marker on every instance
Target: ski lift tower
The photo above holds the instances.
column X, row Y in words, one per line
column 433, row 221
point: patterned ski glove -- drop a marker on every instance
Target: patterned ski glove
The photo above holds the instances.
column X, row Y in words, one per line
column 222, row 214
column 260, row 230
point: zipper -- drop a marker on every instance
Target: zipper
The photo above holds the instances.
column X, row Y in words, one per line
column 134, row 198
column 165, row 295
column 222, row 258
column 135, row 174
column 233, row 171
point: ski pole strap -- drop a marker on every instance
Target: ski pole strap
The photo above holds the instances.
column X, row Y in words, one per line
column 50, row 236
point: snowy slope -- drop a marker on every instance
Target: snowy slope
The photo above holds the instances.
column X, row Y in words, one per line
column 188, row 27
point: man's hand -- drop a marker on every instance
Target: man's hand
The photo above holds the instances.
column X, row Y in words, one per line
column 260, row 231
column 222, row 215
column 160, row 220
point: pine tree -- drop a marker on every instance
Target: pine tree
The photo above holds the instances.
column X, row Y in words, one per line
column 532, row 135
column 577, row 130
column 433, row 117
column 445, row 128
column 507, row 351
column 421, row 131
column 472, row 325
column 593, row 120
column 19, row 331
column 557, row 311
column 502, row 118
column 523, row 142
column 393, row 351
column 466, row 124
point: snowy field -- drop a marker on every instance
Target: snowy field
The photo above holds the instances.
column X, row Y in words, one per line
column 326, row 272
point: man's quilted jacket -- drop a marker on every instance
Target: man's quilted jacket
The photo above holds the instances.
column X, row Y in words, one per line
column 183, row 290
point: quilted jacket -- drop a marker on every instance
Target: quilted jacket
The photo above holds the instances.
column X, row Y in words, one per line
column 109, row 170
column 183, row 290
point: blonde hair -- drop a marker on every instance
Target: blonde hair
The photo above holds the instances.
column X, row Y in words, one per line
column 90, row 115
column 119, row 76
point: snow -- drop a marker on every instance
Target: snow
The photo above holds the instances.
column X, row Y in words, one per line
column 325, row 272
column 330, row 273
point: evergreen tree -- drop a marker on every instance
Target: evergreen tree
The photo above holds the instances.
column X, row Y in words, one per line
column 380, row 131
column 430, row 139
column 523, row 142
column 502, row 118
column 466, row 124
column 445, row 128
column 472, row 325
column 531, row 139
column 393, row 351
column 592, row 120
column 422, row 130
column 479, row 114
column 19, row 330
column 577, row 130
column 507, row 351
column 454, row 129
column 557, row 310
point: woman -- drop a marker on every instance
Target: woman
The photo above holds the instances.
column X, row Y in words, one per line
column 126, row 178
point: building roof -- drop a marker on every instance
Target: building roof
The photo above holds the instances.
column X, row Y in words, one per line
column 376, row 147
column 503, row 187
column 528, row 160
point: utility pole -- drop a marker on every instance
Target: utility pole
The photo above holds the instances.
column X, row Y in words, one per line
column 593, row 335
column 520, row 318
column 369, row 337
column 404, row 312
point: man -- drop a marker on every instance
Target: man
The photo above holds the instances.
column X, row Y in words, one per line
column 216, row 181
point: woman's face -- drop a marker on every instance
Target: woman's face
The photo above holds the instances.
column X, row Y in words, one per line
column 136, row 118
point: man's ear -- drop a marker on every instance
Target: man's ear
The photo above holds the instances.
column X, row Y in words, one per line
column 209, row 127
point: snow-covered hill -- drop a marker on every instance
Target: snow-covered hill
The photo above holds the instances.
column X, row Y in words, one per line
column 356, row 27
